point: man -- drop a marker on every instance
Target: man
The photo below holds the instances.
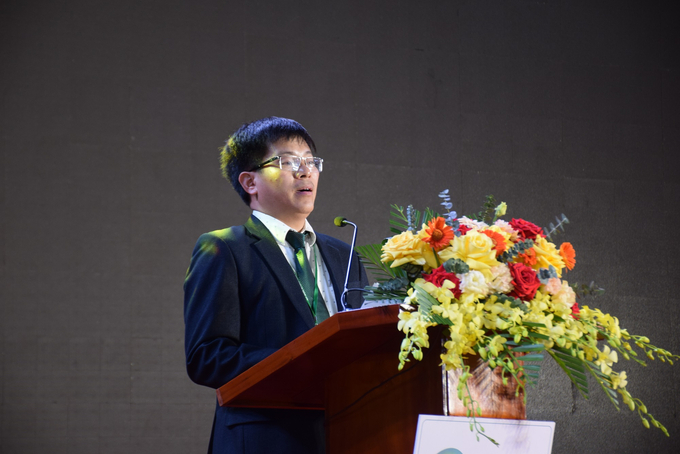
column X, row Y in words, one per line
column 249, row 290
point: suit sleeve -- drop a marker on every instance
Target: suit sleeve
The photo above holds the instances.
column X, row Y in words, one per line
column 212, row 313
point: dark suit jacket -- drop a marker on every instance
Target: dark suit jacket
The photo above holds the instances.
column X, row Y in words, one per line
column 242, row 302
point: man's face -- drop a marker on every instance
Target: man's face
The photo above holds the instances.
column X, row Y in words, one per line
column 286, row 195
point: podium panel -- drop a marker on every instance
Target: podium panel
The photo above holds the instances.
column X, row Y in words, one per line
column 347, row 366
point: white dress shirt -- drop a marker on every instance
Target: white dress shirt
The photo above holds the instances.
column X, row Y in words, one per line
column 279, row 230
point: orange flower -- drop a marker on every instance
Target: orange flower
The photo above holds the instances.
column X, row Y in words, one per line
column 568, row 255
column 498, row 241
column 528, row 258
column 438, row 234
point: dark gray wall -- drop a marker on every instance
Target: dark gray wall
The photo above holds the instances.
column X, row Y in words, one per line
column 112, row 112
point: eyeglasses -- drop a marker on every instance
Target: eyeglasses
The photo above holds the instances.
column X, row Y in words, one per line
column 293, row 163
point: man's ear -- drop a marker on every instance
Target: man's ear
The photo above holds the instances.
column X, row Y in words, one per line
column 247, row 180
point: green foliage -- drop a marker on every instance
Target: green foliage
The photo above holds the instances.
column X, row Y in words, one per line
column 554, row 229
column 517, row 249
column 392, row 282
column 583, row 290
column 487, row 214
column 403, row 219
column 370, row 257
column 573, row 367
column 472, row 406
column 394, row 289
column 520, row 349
column 425, row 303
column 396, row 284
column 514, row 302
column 450, row 215
column 456, row 266
column 412, row 271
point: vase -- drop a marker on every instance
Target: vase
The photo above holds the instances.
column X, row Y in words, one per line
column 495, row 399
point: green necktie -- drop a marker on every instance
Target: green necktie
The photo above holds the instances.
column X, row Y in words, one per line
column 305, row 276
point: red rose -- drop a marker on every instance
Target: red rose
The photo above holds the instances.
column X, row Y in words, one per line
column 463, row 229
column 575, row 311
column 524, row 280
column 526, row 230
column 439, row 275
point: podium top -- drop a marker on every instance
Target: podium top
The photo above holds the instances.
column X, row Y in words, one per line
column 294, row 376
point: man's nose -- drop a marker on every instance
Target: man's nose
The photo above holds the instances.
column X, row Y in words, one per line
column 303, row 170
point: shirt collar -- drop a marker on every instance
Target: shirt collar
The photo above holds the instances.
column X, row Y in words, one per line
column 280, row 229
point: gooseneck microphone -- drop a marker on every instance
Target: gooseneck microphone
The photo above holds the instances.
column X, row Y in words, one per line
column 341, row 221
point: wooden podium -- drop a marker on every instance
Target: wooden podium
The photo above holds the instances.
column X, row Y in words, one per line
column 347, row 366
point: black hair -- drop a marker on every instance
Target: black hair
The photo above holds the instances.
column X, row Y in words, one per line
column 246, row 147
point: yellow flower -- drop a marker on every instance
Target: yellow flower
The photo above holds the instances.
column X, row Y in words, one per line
column 475, row 333
column 610, row 323
column 496, row 345
column 415, row 328
column 442, row 294
column 547, row 254
column 606, row 358
column 501, row 209
column 475, row 249
column 619, row 380
column 405, row 248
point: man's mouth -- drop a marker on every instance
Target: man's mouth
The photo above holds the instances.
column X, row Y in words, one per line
column 305, row 190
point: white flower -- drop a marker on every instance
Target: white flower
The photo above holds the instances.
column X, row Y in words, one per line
column 473, row 285
column 501, row 279
column 479, row 225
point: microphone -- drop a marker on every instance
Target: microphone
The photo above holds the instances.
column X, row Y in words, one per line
column 341, row 221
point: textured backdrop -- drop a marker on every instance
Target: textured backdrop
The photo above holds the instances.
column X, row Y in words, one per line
column 111, row 114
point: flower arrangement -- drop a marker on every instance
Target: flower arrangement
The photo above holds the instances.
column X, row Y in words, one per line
column 498, row 287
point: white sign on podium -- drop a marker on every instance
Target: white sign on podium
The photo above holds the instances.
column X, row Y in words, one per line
column 452, row 435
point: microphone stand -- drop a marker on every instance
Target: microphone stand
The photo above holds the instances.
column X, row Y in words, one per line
column 341, row 222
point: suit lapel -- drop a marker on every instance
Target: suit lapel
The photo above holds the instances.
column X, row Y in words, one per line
column 269, row 249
